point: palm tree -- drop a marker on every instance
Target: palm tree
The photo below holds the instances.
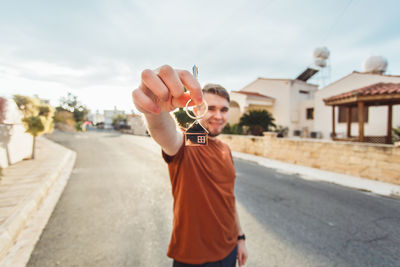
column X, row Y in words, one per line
column 258, row 121
column 35, row 127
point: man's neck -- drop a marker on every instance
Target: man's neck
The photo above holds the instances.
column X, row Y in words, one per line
column 212, row 137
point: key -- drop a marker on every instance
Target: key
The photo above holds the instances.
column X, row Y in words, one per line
column 196, row 134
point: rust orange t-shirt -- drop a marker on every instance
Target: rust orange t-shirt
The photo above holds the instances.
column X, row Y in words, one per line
column 204, row 226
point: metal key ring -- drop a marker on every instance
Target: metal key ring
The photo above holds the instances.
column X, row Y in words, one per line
column 196, row 117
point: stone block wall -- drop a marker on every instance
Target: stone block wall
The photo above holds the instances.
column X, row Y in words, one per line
column 372, row 161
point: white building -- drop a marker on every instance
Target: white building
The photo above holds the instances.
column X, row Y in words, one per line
column 299, row 105
column 15, row 143
column 288, row 100
column 96, row 118
column 376, row 123
column 136, row 124
column 109, row 115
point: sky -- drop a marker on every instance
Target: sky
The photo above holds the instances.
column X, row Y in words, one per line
column 97, row 49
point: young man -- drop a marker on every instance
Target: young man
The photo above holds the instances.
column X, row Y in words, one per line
column 206, row 228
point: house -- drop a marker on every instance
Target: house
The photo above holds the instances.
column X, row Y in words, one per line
column 290, row 101
column 96, row 118
column 15, row 143
column 109, row 115
column 196, row 135
column 375, row 116
column 300, row 106
column 136, row 124
column 354, row 106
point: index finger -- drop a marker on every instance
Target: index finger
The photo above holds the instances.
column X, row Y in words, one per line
column 192, row 85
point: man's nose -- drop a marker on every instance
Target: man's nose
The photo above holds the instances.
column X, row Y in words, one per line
column 218, row 114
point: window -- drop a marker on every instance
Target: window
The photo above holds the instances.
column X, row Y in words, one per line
column 310, row 113
column 354, row 114
column 201, row 139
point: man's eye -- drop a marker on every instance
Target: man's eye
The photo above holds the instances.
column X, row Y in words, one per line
column 211, row 108
column 225, row 110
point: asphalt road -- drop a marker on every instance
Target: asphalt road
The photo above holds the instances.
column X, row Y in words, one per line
column 117, row 211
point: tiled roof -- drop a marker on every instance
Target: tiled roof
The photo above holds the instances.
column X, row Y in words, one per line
column 252, row 94
column 371, row 90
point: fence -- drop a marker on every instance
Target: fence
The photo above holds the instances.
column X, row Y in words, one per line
column 372, row 161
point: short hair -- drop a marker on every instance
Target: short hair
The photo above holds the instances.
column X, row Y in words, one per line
column 216, row 89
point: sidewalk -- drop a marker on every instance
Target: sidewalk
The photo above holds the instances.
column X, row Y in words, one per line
column 29, row 191
column 308, row 173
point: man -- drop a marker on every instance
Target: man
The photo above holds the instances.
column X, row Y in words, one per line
column 206, row 228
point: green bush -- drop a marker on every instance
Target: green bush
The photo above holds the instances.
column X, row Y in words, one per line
column 233, row 129
column 182, row 118
column 395, row 134
column 257, row 121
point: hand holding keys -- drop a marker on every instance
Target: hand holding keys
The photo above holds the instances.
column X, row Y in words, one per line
column 162, row 90
column 196, row 134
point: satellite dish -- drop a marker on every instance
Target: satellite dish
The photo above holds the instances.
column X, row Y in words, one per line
column 320, row 62
column 321, row 53
column 375, row 64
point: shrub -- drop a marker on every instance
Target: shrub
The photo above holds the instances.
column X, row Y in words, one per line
column 233, row 129
column 182, row 118
column 395, row 134
column 257, row 121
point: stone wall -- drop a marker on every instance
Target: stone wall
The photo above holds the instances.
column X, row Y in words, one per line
column 376, row 162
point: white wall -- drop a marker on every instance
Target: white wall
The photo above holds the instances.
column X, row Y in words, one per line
column 138, row 125
column 303, row 121
column 286, row 108
column 15, row 144
column 278, row 89
column 377, row 115
column 298, row 103
column 234, row 112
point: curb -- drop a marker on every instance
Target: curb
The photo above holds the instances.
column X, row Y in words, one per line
column 17, row 223
column 309, row 173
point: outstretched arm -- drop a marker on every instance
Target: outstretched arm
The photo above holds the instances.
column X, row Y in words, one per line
column 160, row 92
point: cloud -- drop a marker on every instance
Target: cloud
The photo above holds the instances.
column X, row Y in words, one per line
column 89, row 46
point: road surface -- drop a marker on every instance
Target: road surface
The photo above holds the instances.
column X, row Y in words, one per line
column 117, row 211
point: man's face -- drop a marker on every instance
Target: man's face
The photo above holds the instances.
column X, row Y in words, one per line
column 217, row 116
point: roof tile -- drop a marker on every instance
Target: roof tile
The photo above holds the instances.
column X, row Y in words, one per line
column 375, row 89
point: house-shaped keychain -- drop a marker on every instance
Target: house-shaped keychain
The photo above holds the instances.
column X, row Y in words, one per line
column 196, row 135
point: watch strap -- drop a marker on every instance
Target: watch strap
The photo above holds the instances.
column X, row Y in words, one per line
column 241, row 237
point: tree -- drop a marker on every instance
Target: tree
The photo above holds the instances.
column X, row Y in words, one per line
column 72, row 105
column 38, row 116
column 182, row 118
column 118, row 120
column 257, row 121
column 35, row 127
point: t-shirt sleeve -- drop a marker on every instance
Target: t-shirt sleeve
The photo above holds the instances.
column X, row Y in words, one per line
column 168, row 159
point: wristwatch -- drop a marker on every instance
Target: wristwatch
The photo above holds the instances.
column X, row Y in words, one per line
column 241, row 237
